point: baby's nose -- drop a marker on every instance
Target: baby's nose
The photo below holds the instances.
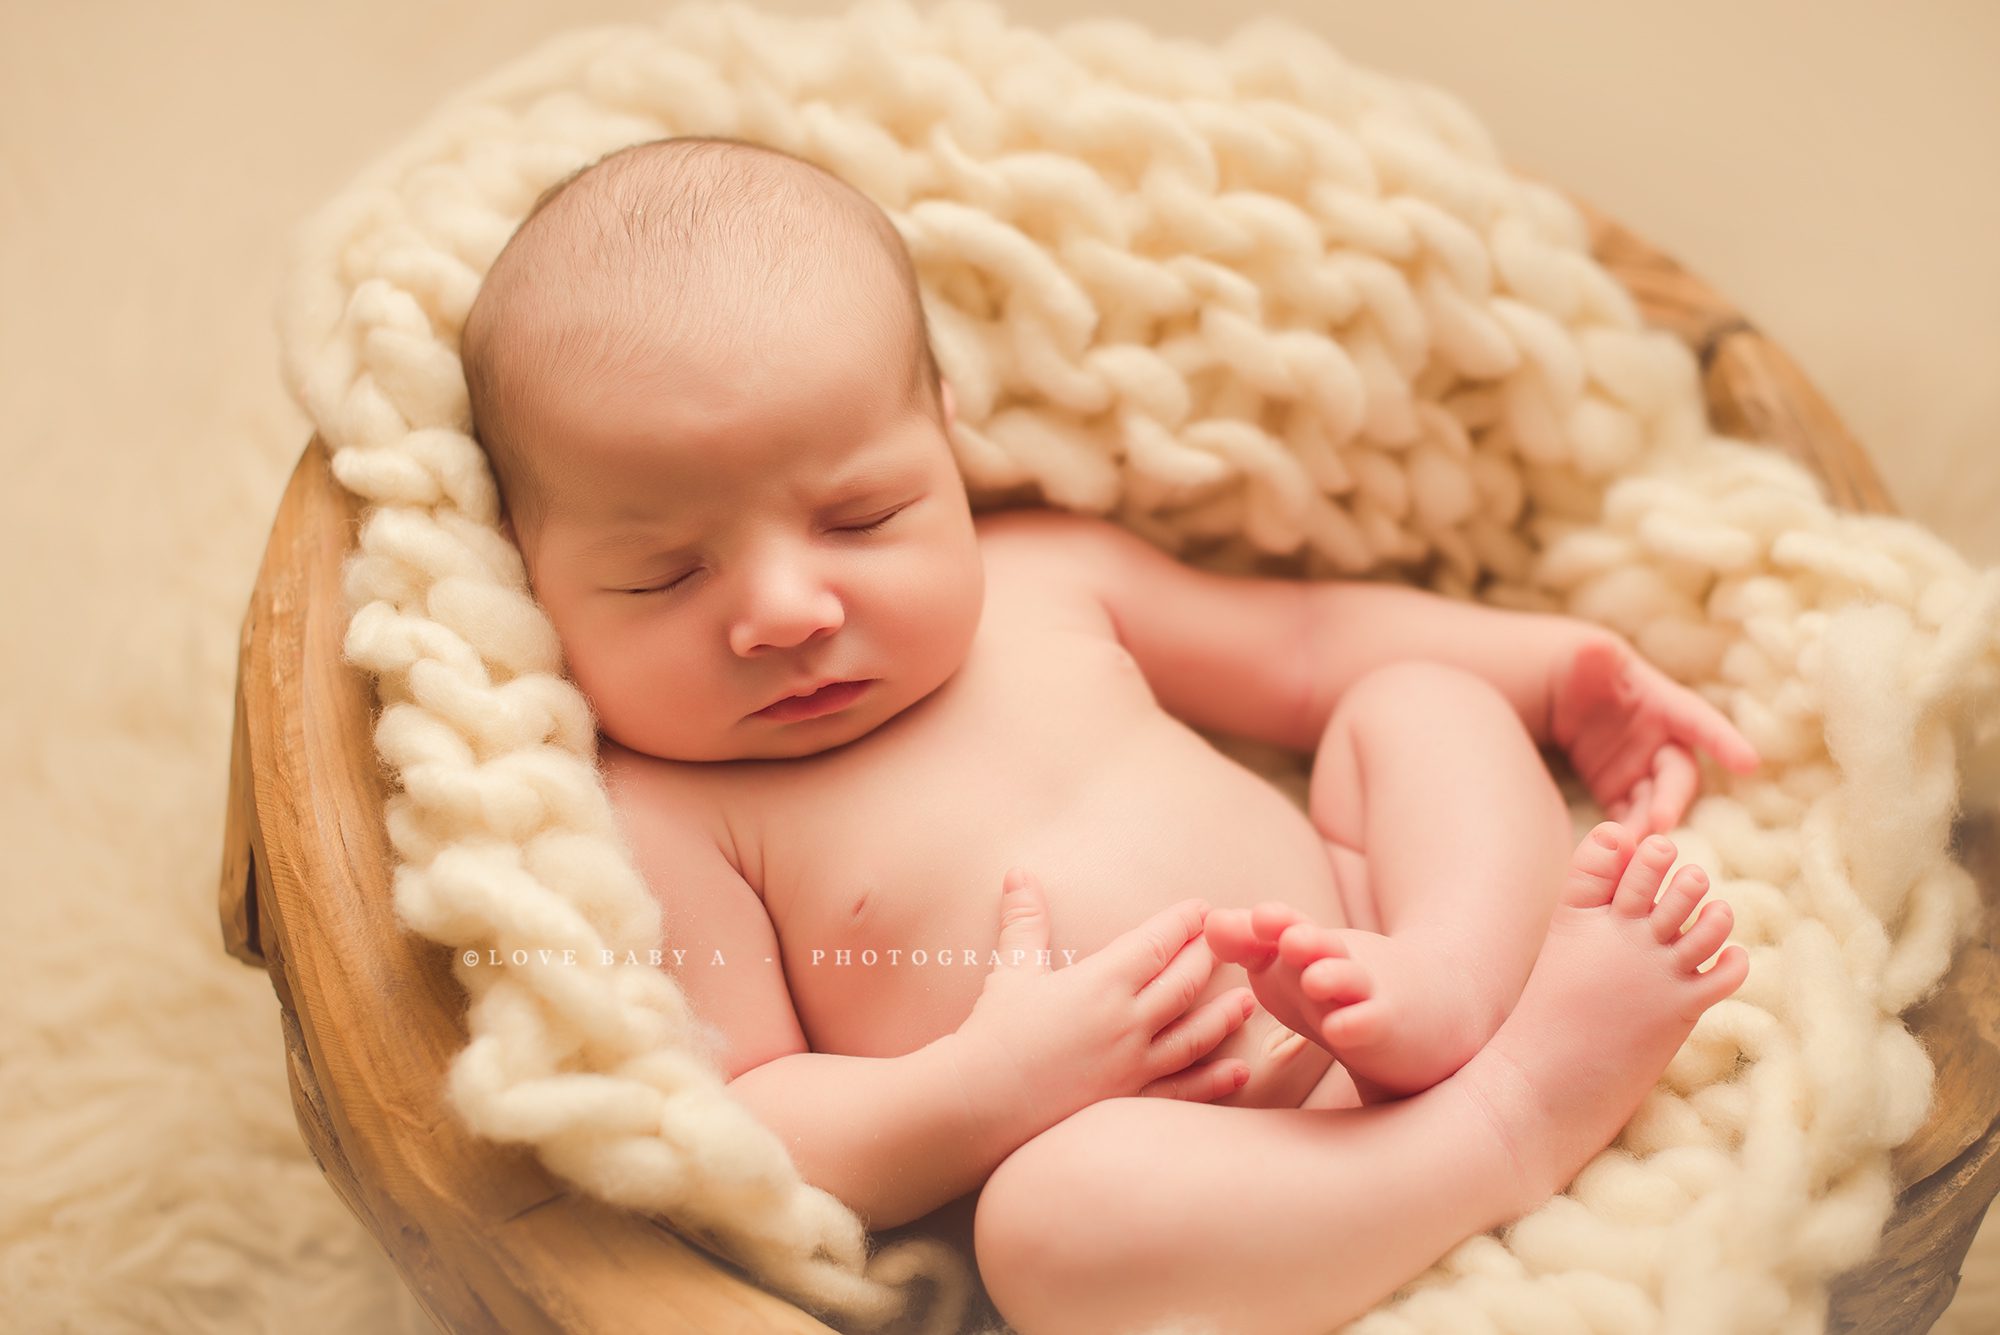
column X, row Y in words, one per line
column 786, row 611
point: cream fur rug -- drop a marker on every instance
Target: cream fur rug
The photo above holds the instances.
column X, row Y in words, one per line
column 1247, row 293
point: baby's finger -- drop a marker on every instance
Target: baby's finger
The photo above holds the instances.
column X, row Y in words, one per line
column 1640, row 817
column 1701, row 723
column 1199, row 1084
column 1175, row 987
column 1141, row 953
column 1674, row 782
column 1195, row 1034
column 1623, row 766
column 1024, row 920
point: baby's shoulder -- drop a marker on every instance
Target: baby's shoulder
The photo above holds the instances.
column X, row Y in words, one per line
column 1035, row 526
column 1059, row 548
column 646, row 791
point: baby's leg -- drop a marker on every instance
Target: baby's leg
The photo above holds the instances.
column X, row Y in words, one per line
column 1255, row 1220
column 1449, row 840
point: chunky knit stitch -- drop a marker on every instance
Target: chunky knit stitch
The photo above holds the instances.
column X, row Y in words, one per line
column 1244, row 295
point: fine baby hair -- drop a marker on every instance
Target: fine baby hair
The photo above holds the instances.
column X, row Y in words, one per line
column 679, row 234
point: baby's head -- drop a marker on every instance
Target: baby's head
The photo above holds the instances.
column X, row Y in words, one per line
column 701, row 372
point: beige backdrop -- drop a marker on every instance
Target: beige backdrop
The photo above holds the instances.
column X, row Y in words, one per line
column 1830, row 165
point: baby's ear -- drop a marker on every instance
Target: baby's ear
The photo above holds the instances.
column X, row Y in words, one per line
column 950, row 403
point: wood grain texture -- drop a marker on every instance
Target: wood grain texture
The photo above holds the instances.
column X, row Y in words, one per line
column 484, row 1236
column 1755, row 391
column 1948, row 1173
column 488, row 1241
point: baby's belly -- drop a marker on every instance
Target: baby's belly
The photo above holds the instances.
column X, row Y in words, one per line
column 887, row 939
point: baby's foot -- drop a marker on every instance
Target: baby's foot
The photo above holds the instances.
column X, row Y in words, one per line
column 1613, row 996
column 1399, row 1014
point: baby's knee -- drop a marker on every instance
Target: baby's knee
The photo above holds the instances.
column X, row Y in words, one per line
column 1419, row 684
column 1035, row 1249
column 1092, row 1200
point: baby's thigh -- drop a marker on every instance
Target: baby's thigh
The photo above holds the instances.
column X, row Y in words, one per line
column 1336, row 812
column 1335, row 804
column 1390, row 713
column 1404, row 743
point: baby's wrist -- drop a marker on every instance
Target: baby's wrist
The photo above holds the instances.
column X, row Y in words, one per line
column 992, row 1093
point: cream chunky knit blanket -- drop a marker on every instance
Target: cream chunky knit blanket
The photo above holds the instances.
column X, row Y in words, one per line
column 1247, row 293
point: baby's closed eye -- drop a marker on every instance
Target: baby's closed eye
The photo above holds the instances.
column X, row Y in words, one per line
column 871, row 527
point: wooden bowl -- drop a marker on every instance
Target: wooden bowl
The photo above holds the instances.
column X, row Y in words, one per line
column 488, row 1240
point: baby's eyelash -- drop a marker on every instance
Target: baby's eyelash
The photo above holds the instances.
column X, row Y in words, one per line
column 657, row 588
column 862, row 528
column 870, row 528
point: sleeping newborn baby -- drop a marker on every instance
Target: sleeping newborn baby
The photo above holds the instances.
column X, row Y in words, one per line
column 966, row 901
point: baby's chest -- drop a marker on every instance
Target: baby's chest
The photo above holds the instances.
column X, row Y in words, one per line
column 883, row 880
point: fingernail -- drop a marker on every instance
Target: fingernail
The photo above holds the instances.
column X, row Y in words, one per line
column 1606, row 838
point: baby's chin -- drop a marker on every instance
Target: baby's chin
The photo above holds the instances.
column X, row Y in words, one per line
column 795, row 741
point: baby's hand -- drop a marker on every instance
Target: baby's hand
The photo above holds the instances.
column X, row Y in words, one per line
column 1047, row 1042
column 1630, row 732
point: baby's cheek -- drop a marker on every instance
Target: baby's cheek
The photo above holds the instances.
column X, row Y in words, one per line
column 622, row 682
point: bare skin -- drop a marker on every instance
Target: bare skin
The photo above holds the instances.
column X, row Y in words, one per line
column 891, row 840
column 1436, row 922
column 1213, row 1214
column 1399, row 1007
column 745, row 518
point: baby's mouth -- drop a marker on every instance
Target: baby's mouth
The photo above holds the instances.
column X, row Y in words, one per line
column 833, row 695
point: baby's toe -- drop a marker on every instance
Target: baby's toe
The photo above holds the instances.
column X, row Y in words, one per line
column 1671, row 913
column 1272, row 917
column 1304, row 942
column 1355, row 1026
column 1641, row 881
column 1233, row 939
column 1710, row 930
column 1596, row 865
column 1731, row 967
column 1338, row 981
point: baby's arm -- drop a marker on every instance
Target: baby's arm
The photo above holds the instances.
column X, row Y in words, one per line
column 892, row 1137
column 1039, row 1045
column 1356, row 626
column 1268, row 658
column 1628, row 730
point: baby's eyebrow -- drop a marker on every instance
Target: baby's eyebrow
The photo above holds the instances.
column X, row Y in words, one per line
column 617, row 544
column 633, row 542
column 851, row 485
